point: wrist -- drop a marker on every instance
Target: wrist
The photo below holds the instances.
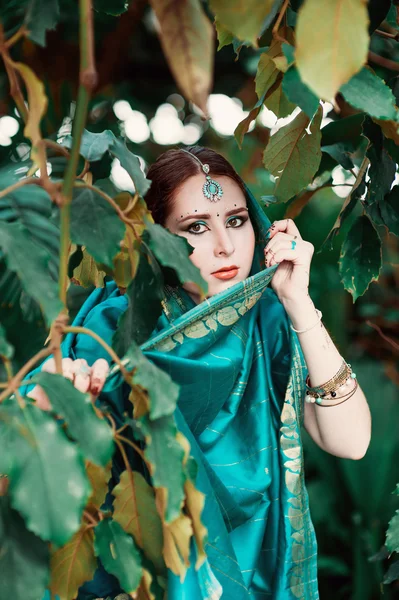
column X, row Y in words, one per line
column 301, row 311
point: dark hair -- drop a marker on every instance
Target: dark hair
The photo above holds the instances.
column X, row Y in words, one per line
column 173, row 168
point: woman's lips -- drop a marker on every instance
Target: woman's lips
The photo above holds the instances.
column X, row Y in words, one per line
column 226, row 274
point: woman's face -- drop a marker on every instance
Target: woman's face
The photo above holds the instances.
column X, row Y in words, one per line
column 221, row 232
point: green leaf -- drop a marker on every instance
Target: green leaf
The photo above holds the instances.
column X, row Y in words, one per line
column 267, row 72
column 135, row 510
column 341, row 153
column 173, row 251
column 392, row 541
column 293, row 156
column 96, row 225
column 289, row 53
column 392, row 574
column 144, row 295
column 245, row 20
column 93, row 146
column 73, row 564
column 31, row 264
column 357, row 191
column 162, row 390
column 46, row 471
column 93, row 434
column 243, row 126
column 41, row 16
column 361, row 257
column 6, row 350
column 331, row 44
column 24, row 557
column 131, row 163
column 114, row 8
column 167, row 466
column 389, row 208
column 118, row 553
column 348, row 129
column 298, row 92
column 277, row 101
column 368, row 92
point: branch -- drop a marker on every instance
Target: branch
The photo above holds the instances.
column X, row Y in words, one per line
column 383, row 62
column 15, row 90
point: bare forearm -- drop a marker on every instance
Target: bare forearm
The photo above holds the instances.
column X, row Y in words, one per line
column 345, row 429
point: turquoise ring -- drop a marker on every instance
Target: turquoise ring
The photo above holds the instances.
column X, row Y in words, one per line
column 293, row 244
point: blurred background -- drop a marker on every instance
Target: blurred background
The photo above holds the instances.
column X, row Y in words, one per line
column 351, row 501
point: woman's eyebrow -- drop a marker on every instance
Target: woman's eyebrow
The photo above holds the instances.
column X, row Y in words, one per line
column 207, row 216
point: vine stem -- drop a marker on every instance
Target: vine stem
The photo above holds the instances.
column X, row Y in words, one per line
column 87, row 82
column 90, row 518
column 15, row 90
column 19, row 184
column 14, row 383
column 277, row 24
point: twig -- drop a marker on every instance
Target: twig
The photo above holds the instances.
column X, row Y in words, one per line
column 392, row 36
column 383, row 62
column 15, row 90
column 130, row 443
column 14, row 383
column 385, row 337
column 13, row 39
column 277, row 24
column 90, row 518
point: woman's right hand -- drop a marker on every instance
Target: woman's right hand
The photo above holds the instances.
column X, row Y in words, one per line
column 84, row 378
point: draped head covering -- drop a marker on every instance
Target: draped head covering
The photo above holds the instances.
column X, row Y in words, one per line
column 242, row 375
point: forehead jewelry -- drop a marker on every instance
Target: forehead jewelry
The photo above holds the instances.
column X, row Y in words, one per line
column 211, row 188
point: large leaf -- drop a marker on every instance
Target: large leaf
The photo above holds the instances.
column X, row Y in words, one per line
column 332, row 42
column 24, row 557
column 392, row 540
column 298, row 92
column 96, row 225
column 31, row 263
column 93, row 434
column 73, row 564
column 88, row 272
column 136, row 512
column 6, row 350
column 131, row 163
column 361, row 256
column 118, row 553
column 99, row 478
column 368, row 92
column 243, row 126
column 166, row 467
column 144, row 295
column 46, row 471
column 246, row 20
column 173, row 251
column 41, row 16
column 187, row 39
column 389, row 208
column 93, row 146
column 162, row 391
column 293, row 156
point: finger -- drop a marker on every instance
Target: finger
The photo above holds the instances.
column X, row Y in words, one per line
column 68, row 369
column 99, row 372
column 82, row 374
column 286, row 226
column 40, row 397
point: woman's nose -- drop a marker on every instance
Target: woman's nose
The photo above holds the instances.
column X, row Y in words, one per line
column 223, row 243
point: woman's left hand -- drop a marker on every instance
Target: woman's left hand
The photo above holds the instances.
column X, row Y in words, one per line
column 291, row 279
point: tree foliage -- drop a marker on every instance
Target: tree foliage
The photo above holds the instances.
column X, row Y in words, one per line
column 73, row 225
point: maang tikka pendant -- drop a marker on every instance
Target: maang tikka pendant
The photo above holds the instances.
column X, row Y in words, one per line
column 211, row 188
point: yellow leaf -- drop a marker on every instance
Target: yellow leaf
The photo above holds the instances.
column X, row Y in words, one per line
column 225, row 37
column 98, row 477
column 139, row 398
column 195, row 501
column 88, row 273
column 144, row 592
column 73, row 564
column 37, row 101
column 332, row 43
column 187, row 39
column 176, row 550
column 244, row 18
column 136, row 512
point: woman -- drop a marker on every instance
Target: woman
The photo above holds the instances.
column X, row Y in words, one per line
column 241, row 359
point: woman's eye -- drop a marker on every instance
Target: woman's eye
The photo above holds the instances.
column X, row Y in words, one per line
column 240, row 221
column 196, row 225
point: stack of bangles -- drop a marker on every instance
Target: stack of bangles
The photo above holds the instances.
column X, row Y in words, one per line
column 326, row 394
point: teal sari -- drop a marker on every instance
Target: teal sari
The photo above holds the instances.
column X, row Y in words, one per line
column 242, row 376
